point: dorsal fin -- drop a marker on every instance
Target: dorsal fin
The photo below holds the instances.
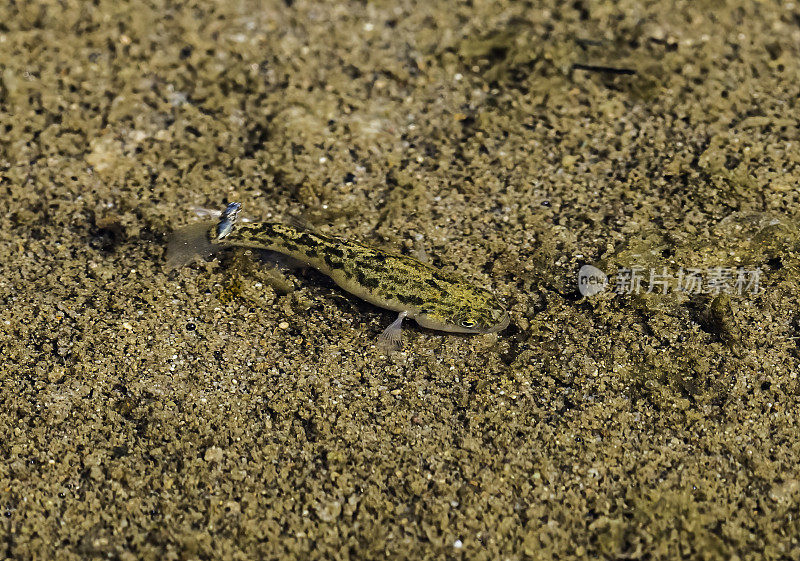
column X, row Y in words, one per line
column 300, row 222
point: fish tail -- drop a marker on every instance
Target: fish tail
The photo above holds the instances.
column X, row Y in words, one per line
column 191, row 242
column 200, row 239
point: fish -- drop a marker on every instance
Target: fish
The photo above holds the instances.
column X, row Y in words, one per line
column 435, row 299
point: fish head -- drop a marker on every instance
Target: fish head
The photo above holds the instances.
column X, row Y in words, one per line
column 478, row 312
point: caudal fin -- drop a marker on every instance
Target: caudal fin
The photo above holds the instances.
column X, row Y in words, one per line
column 191, row 242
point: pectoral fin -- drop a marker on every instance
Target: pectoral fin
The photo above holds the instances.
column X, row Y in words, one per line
column 391, row 338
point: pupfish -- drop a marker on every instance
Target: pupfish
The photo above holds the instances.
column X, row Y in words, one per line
column 433, row 298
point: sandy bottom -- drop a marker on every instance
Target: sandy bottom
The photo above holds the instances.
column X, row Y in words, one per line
column 221, row 411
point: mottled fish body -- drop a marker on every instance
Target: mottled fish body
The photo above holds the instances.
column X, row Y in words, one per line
column 433, row 298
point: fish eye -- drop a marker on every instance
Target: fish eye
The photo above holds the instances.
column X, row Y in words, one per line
column 469, row 324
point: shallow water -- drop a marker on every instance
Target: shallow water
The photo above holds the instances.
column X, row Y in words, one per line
column 213, row 412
